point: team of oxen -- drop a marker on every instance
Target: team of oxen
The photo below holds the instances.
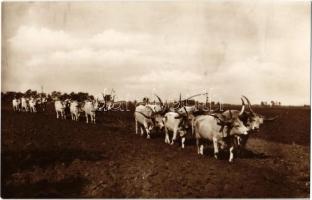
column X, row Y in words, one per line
column 75, row 108
column 226, row 130
column 29, row 104
column 88, row 107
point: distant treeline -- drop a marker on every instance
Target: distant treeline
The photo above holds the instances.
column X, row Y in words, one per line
column 82, row 96
column 79, row 96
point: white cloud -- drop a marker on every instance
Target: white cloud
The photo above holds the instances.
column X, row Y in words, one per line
column 167, row 77
column 236, row 48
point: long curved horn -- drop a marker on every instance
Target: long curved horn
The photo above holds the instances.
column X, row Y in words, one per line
column 249, row 105
column 160, row 101
column 148, row 117
column 185, row 111
column 243, row 107
column 271, row 118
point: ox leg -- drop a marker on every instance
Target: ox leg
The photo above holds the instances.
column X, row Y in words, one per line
column 182, row 142
column 142, row 131
column 57, row 115
column 201, row 149
column 167, row 140
column 147, row 130
column 231, row 154
column 215, row 147
column 197, row 145
column 147, row 133
column 92, row 118
column 174, row 137
column 136, row 127
column 87, row 120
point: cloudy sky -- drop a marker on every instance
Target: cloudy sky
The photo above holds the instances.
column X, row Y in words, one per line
column 259, row 49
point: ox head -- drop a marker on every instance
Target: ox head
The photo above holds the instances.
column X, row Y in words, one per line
column 158, row 113
column 155, row 119
column 158, row 120
column 66, row 103
column 233, row 125
column 255, row 119
column 186, row 120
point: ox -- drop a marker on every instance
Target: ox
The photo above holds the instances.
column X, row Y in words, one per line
column 16, row 104
column 24, row 103
column 60, row 107
column 251, row 120
column 148, row 117
column 219, row 130
column 177, row 123
column 89, row 108
column 32, row 104
column 74, row 110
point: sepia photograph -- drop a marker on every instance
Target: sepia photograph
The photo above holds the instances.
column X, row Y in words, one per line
column 155, row 99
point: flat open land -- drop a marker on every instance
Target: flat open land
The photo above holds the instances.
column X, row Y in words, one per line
column 45, row 157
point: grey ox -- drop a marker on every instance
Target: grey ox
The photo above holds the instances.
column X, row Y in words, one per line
column 250, row 118
column 147, row 117
column 219, row 130
column 179, row 123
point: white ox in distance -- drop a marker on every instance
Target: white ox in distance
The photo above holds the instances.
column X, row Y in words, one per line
column 32, row 104
column 24, row 104
column 90, row 107
column 16, row 103
column 74, row 110
column 60, row 107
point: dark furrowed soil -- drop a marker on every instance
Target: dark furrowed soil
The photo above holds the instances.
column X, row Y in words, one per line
column 45, row 157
